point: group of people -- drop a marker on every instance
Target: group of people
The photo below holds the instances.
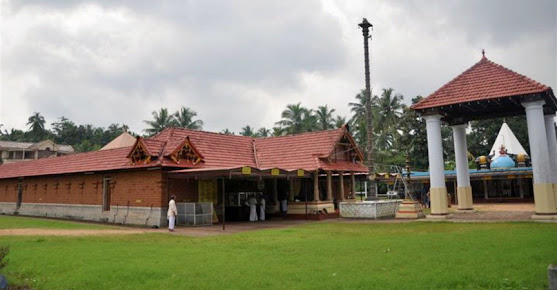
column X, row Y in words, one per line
column 252, row 203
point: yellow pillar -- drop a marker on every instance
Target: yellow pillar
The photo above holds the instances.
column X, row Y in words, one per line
column 341, row 185
column 329, row 186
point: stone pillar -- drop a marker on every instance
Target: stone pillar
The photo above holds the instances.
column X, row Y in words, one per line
column 464, row 190
column 486, row 196
column 543, row 184
column 341, row 185
column 329, row 186
column 291, row 189
column 316, row 186
column 438, row 190
column 353, row 184
column 552, row 149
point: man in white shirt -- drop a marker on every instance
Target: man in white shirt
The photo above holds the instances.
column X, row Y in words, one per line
column 252, row 203
column 172, row 213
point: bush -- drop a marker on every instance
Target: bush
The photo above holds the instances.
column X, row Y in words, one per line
column 4, row 250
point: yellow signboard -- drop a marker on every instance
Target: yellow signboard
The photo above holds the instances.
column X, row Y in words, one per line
column 275, row 171
column 301, row 172
column 246, row 170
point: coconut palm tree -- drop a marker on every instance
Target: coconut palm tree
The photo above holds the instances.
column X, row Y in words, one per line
column 297, row 119
column 390, row 107
column 36, row 126
column 247, row 131
column 339, row 121
column 161, row 120
column 324, row 117
column 183, row 118
column 263, row 132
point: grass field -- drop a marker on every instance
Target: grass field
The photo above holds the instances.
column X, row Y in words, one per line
column 317, row 255
column 16, row 222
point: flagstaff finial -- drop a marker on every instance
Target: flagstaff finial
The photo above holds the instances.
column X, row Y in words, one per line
column 483, row 53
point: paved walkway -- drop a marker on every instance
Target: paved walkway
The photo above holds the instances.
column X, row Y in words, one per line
column 496, row 212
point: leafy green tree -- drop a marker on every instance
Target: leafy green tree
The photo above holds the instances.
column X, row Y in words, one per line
column 183, row 118
column 227, row 132
column 324, row 117
column 161, row 120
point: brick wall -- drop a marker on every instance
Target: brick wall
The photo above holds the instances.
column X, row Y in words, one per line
column 134, row 188
column 186, row 190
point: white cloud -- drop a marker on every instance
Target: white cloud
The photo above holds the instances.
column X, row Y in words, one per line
column 241, row 62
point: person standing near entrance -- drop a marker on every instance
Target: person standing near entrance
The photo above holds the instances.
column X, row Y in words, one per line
column 252, row 203
column 262, row 208
column 172, row 213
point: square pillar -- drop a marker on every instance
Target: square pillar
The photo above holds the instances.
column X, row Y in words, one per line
column 438, row 190
column 544, row 197
column 329, row 186
column 552, row 149
column 341, row 184
column 316, row 185
column 464, row 190
column 291, row 189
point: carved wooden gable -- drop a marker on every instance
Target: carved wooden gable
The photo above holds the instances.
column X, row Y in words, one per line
column 346, row 150
column 139, row 154
column 186, row 153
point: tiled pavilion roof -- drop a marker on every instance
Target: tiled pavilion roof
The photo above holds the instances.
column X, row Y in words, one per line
column 485, row 81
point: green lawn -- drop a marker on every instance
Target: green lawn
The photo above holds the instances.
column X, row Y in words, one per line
column 320, row 255
column 17, row 222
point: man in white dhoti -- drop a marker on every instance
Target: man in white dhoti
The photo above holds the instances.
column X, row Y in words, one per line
column 252, row 203
column 172, row 213
column 262, row 209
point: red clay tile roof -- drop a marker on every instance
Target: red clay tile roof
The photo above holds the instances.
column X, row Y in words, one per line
column 484, row 80
column 301, row 151
column 79, row 162
column 306, row 151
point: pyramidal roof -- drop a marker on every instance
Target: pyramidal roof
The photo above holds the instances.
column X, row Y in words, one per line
column 507, row 138
column 484, row 80
column 124, row 140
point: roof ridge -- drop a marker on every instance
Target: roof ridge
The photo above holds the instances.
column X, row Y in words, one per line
column 299, row 134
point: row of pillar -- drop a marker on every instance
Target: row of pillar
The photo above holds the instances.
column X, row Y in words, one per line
column 543, row 153
column 316, row 186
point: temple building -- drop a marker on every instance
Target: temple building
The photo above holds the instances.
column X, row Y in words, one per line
column 132, row 184
column 488, row 90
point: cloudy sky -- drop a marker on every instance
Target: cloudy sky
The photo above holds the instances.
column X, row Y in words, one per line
column 241, row 62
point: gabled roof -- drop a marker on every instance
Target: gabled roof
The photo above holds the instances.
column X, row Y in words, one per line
column 483, row 81
column 301, row 151
column 307, row 151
